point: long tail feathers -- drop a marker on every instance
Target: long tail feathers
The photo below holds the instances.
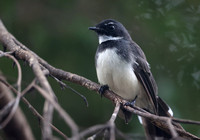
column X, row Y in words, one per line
column 152, row 132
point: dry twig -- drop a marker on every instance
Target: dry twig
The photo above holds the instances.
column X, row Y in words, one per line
column 17, row 127
column 61, row 111
column 33, row 110
column 11, row 107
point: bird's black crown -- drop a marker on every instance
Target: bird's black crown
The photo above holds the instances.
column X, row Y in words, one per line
column 111, row 28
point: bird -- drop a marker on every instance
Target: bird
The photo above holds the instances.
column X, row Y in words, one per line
column 122, row 67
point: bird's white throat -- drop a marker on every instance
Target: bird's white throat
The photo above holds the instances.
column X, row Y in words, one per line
column 104, row 38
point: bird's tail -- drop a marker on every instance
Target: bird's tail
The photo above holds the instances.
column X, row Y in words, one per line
column 152, row 132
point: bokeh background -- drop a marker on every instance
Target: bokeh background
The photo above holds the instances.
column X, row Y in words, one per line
column 167, row 31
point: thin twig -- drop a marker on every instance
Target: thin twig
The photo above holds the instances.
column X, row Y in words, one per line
column 73, row 90
column 33, row 110
column 98, row 128
column 61, row 111
column 112, row 121
column 13, row 105
column 48, row 116
column 90, row 130
column 186, row 121
column 36, row 113
column 48, row 109
column 18, row 124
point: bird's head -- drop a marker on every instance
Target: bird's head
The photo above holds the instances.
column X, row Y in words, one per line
column 110, row 29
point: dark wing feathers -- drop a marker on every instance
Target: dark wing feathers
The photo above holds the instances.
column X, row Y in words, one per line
column 144, row 75
column 163, row 108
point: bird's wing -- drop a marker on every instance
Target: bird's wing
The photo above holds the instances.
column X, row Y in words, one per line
column 144, row 75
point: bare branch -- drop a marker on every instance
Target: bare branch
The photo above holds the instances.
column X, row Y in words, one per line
column 90, row 130
column 48, row 116
column 112, row 121
column 186, row 121
column 172, row 129
column 95, row 130
column 13, row 45
column 33, row 110
column 12, row 106
column 18, row 126
column 48, row 108
column 73, row 90
column 161, row 122
column 65, row 116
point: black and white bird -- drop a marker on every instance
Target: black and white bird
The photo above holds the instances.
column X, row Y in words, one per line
column 122, row 66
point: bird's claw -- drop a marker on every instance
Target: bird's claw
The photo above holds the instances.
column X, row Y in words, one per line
column 102, row 89
column 131, row 103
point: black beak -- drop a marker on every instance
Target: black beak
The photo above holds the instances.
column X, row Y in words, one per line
column 94, row 28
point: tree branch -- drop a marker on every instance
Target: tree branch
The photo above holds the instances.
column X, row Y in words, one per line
column 21, row 52
column 17, row 127
column 9, row 109
column 33, row 110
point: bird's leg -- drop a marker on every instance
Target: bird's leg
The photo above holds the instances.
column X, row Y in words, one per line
column 131, row 103
column 102, row 89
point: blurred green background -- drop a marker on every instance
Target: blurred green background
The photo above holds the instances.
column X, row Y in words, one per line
column 167, row 31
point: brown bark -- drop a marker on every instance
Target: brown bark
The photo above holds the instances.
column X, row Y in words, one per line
column 18, row 127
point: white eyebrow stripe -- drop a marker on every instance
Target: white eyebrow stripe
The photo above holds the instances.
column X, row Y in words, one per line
column 104, row 38
column 110, row 23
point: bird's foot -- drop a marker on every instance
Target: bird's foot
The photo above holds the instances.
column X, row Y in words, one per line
column 102, row 89
column 131, row 103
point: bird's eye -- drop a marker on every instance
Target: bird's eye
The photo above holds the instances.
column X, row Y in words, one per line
column 112, row 27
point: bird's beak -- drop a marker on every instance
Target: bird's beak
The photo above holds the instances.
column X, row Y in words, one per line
column 94, row 28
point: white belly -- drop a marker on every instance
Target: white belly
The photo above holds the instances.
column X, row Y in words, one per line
column 117, row 74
